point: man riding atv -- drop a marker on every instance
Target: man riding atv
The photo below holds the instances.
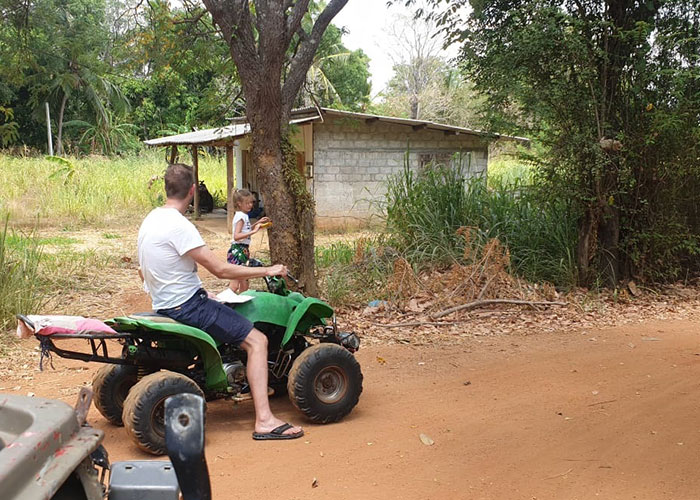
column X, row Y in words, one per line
column 169, row 249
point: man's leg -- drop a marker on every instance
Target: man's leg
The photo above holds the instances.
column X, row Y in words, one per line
column 255, row 345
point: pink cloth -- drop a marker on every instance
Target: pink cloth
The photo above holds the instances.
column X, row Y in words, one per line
column 49, row 325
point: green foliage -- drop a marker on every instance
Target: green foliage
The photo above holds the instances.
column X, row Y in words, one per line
column 20, row 287
column 115, row 72
column 611, row 92
column 335, row 253
column 354, row 272
column 8, row 129
column 425, row 210
column 338, row 77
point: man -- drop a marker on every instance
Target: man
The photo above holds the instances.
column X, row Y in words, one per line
column 169, row 248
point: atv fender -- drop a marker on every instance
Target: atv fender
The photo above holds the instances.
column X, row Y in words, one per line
column 294, row 312
column 307, row 313
column 201, row 341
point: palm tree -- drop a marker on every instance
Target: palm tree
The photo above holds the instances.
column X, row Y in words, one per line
column 100, row 94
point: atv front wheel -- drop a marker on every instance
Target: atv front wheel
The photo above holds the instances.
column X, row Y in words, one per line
column 110, row 388
column 325, row 382
column 144, row 408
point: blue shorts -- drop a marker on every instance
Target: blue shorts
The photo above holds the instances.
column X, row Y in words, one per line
column 215, row 318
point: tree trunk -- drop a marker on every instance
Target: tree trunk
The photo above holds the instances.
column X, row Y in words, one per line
column 292, row 233
column 259, row 35
column 414, row 107
column 585, row 246
column 59, row 141
column 609, row 239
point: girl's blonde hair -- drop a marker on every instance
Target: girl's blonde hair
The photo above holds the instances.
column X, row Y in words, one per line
column 240, row 196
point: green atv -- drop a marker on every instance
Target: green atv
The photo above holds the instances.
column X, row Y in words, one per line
column 309, row 358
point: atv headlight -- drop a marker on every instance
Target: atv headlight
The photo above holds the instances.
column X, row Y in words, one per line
column 348, row 340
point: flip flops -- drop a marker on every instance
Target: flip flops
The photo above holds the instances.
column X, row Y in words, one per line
column 277, row 433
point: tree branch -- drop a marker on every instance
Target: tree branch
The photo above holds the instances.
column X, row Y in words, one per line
column 302, row 60
column 479, row 303
column 294, row 20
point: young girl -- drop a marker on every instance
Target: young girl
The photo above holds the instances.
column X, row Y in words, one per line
column 239, row 252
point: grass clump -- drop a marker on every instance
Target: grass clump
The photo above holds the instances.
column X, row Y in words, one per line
column 425, row 210
column 354, row 272
column 20, row 287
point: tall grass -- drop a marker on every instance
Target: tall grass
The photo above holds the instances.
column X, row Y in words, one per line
column 353, row 272
column 92, row 190
column 424, row 209
column 20, row 287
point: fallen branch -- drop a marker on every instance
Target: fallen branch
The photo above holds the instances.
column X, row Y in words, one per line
column 418, row 323
column 480, row 303
column 603, row 402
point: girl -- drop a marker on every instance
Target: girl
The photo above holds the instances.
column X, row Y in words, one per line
column 239, row 252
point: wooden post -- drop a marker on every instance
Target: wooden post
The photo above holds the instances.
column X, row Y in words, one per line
column 195, row 164
column 48, row 129
column 173, row 154
column 230, row 209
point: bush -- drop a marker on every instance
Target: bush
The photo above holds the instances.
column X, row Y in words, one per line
column 425, row 210
column 20, row 290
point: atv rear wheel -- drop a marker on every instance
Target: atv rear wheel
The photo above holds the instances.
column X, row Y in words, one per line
column 325, row 382
column 144, row 408
column 110, row 388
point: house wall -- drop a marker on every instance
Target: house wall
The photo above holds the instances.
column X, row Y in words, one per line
column 353, row 159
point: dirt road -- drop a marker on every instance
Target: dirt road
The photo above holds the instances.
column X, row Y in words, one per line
column 601, row 414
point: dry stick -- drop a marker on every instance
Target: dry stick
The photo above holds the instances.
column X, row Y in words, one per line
column 479, row 303
column 483, row 290
column 419, row 323
column 603, row 402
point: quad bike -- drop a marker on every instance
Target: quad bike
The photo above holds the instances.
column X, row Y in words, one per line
column 308, row 358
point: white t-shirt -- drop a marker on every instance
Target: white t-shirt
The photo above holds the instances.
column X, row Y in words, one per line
column 246, row 227
column 169, row 275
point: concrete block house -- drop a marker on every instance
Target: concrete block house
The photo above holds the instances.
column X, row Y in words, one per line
column 346, row 157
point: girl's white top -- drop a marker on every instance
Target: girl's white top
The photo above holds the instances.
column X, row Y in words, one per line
column 246, row 227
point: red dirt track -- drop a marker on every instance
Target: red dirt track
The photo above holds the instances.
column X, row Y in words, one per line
column 605, row 414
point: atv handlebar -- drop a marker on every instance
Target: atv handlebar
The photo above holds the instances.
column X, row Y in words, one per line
column 274, row 284
column 258, row 263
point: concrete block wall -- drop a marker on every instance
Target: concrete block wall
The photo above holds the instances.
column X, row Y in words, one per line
column 353, row 159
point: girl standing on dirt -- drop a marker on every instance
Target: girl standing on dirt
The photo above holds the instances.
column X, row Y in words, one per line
column 239, row 252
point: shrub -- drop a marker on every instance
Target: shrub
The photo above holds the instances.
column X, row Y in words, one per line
column 425, row 210
column 20, row 290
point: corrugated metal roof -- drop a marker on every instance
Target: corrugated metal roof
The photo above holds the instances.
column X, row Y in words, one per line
column 304, row 115
column 416, row 124
column 212, row 135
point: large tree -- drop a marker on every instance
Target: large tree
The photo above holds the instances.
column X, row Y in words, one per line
column 612, row 90
column 273, row 49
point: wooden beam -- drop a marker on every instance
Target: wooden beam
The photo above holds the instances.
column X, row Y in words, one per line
column 173, row 154
column 229, row 187
column 195, row 164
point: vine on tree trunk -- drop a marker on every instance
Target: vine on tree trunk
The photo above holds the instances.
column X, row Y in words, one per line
column 303, row 201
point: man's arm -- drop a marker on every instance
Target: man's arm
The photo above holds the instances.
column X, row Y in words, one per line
column 223, row 270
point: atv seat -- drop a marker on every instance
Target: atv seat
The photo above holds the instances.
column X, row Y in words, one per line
column 155, row 317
